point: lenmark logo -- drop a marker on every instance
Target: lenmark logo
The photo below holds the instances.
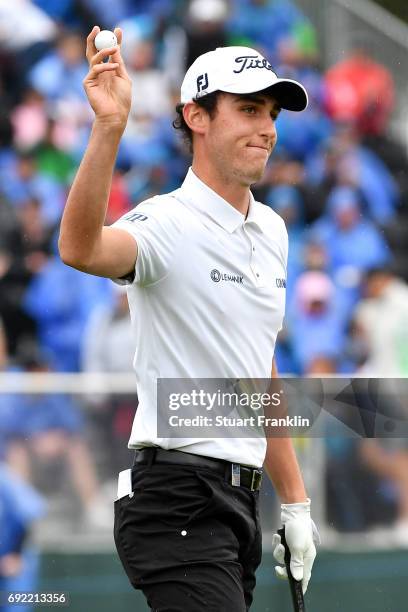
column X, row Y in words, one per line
column 218, row 276
column 281, row 283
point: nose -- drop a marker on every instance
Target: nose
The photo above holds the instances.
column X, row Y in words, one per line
column 267, row 129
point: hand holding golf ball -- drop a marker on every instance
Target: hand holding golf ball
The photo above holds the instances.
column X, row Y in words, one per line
column 107, row 84
column 105, row 39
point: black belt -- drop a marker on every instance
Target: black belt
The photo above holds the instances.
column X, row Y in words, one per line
column 235, row 473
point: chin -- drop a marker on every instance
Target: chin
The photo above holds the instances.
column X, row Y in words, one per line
column 248, row 172
column 253, row 175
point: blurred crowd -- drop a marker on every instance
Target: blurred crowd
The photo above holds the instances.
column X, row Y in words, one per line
column 336, row 177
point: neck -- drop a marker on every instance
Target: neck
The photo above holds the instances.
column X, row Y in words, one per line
column 229, row 189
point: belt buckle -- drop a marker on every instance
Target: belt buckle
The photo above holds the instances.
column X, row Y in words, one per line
column 256, row 479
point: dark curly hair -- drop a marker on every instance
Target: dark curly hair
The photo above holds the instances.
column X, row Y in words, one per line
column 208, row 102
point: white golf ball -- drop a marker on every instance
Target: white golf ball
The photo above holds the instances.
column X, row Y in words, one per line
column 105, row 39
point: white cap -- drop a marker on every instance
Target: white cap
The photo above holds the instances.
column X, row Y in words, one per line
column 239, row 70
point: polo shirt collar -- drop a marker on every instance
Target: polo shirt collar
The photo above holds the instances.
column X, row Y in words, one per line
column 209, row 203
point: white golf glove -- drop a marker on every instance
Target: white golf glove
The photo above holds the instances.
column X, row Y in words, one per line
column 301, row 536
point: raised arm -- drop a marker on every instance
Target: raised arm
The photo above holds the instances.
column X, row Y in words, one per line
column 84, row 242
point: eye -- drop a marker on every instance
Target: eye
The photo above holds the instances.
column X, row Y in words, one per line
column 250, row 110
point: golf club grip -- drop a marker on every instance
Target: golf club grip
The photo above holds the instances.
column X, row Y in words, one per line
column 295, row 585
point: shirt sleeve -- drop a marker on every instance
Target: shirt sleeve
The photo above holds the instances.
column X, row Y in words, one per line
column 157, row 228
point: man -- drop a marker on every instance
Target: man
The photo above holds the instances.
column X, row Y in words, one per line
column 187, row 525
column 381, row 321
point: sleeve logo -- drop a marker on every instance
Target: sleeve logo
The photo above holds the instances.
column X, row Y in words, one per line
column 135, row 217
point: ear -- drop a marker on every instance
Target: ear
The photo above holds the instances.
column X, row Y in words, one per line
column 196, row 117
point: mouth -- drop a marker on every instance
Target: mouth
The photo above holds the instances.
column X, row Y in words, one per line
column 260, row 148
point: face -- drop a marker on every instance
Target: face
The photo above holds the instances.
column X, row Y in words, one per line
column 375, row 285
column 71, row 48
column 240, row 137
column 347, row 218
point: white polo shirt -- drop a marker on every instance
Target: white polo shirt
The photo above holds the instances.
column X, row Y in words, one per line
column 207, row 301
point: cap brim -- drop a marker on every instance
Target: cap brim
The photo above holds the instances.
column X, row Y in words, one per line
column 290, row 95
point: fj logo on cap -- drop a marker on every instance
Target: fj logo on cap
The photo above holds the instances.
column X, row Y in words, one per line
column 245, row 62
column 202, row 82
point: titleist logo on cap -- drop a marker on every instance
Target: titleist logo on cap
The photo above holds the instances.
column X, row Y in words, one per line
column 252, row 61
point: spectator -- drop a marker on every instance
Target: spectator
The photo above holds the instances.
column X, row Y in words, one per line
column 24, row 181
column 16, row 268
column 62, row 314
column 343, row 161
column 29, row 120
column 45, row 428
column 20, row 507
column 59, row 75
column 350, row 240
column 388, row 459
column 108, row 347
column 52, row 158
column 360, row 91
column 316, row 321
column 382, row 320
column 25, row 40
column 36, row 237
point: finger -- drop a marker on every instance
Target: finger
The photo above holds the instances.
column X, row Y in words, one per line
column 117, row 55
column 98, row 69
column 90, row 43
column 304, row 585
column 119, row 34
column 308, row 561
column 296, row 566
column 279, row 553
column 102, row 55
column 281, row 572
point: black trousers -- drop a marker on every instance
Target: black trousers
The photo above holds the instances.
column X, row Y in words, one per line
column 189, row 539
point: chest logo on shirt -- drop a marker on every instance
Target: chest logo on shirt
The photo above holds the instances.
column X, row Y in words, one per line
column 218, row 276
column 281, row 283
